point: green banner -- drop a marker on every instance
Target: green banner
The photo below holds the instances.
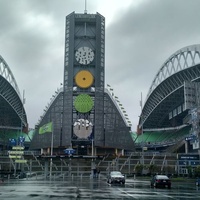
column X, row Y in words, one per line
column 46, row 128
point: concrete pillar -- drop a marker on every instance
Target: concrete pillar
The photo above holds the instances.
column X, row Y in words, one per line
column 30, row 167
column 186, row 146
column 93, row 166
column 70, row 168
column 122, row 152
column 116, row 151
column 46, row 168
column 61, row 168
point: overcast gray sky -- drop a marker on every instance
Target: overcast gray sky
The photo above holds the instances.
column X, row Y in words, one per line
column 140, row 36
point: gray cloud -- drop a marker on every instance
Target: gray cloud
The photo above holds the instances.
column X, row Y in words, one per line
column 141, row 39
column 138, row 41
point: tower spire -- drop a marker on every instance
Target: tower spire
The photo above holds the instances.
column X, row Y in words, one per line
column 85, row 11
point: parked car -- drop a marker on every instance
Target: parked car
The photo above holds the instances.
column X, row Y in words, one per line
column 116, row 177
column 161, row 181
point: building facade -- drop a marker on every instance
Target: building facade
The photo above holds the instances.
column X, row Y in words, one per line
column 83, row 112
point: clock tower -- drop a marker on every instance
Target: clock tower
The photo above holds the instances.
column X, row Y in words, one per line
column 83, row 85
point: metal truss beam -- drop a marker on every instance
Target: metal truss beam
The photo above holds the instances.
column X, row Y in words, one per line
column 183, row 65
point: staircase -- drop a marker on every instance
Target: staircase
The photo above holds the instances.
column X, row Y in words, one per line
column 80, row 166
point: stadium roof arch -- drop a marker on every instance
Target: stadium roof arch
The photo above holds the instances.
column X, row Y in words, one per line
column 12, row 112
column 166, row 93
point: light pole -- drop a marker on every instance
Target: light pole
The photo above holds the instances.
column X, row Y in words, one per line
column 141, row 117
column 23, row 102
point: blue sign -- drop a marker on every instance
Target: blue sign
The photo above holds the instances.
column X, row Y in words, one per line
column 188, row 157
column 13, row 142
column 69, row 151
column 183, row 163
column 21, row 140
column 191, row 137
column 194, row 163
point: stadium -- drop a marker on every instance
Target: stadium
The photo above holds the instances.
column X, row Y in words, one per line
column 13, row 119
column 168, row 126
column 169, row 121
column 88, row 118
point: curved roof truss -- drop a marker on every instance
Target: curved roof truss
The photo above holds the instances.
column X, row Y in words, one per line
column 183, row 65
column 7, row 74
column 180, row 60
column 9, row 91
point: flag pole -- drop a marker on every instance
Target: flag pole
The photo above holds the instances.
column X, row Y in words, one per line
column 92, row 147
column 52, row 140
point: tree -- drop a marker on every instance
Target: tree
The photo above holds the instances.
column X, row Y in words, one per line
column 152, row 168
column 197, row 171
column 189, row 168
column 139, row 168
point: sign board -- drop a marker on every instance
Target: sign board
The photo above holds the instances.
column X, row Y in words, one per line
column 17, row 148
column 16, row 152
column 191, row 137
column 20, row 161
column 14, row 157
column 145, row 148
column 188, row 157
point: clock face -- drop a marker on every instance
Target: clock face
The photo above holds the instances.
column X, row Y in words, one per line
column 84, row 55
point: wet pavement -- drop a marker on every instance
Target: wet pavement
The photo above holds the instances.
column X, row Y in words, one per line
column 89, row 188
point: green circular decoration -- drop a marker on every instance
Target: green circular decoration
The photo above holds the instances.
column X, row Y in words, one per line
column 83, row 103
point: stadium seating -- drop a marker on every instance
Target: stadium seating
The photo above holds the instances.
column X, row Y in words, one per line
column 165, row 136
